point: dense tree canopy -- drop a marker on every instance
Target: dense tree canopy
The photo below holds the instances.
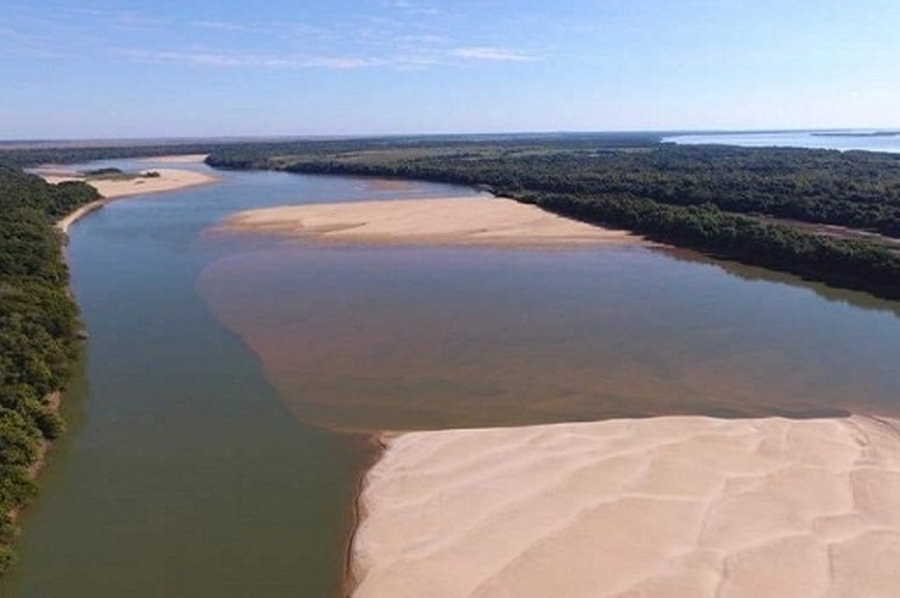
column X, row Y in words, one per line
column 37, row 325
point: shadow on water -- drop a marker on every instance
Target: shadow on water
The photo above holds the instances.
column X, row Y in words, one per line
column 857, row 299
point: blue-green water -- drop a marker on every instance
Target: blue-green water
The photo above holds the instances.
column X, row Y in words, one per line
column 205, row 456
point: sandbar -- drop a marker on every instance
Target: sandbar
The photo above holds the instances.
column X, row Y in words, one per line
column 472, row 220
column 663, row 507
column 169, row 179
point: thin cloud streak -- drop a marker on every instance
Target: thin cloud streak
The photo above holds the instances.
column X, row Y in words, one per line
column 415, row 9
column 419, row 58
column 492, row 53
column 400, row 40
column 216, row 59
column 288, row 29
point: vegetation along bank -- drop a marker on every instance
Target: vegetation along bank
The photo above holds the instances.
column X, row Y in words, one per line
column 38, row 326
column 825, row 215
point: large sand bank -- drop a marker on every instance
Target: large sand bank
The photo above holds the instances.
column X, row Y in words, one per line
column 169, row 179
column 452, row 221
column 672, row 507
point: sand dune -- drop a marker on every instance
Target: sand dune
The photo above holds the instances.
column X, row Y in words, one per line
column 663, row 507
column 454, row 221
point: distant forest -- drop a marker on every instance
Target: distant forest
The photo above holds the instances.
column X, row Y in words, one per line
column 38, row 322
column 825, row 215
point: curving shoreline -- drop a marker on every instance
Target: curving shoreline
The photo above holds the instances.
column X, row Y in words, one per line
column 377, row 445
column 667, row 506
column 169, row 179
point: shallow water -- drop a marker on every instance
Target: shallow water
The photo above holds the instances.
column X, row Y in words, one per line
column 365, row 338
column 205, row 455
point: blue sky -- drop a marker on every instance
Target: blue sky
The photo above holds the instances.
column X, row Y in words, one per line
column 135, row 68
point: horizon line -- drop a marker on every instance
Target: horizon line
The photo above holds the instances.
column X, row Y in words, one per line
column 7, row 144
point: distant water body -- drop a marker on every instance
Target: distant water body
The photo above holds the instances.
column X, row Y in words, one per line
column 873, row 141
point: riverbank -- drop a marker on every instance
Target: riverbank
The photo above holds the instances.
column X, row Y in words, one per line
column 142, row 434
column 443, row 221
column 168, row 179
column 669, row 506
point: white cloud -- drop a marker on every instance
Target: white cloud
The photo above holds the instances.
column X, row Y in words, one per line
column 492, row 53
column 411, row 57
column 413, row 8
column 286, row 29
column 219, row 59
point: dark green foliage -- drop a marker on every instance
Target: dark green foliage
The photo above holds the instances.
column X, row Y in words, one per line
column 37, row 324
column 758, row 206
column 7, row 557
column 840, row 262
column 18, row 439
column 102, row 171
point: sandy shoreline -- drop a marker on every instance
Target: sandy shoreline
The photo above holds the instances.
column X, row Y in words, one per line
column 169, row 179
column 661, row 507
column 443, row 221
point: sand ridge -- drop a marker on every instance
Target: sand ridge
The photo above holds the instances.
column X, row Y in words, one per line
column 473, row 220
column 660, row 507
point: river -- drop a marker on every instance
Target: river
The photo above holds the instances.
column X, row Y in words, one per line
column 218, row 426
column 843, row 140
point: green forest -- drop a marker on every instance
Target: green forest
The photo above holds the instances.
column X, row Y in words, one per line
column 825, row 215
column 38, row 323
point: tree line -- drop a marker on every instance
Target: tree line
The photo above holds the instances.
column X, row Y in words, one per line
column 38, row 321
column 715, row 199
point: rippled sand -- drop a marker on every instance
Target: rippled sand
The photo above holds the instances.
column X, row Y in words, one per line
column 661, row 507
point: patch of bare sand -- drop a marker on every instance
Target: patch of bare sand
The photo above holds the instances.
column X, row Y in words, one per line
column 169, row 179
column 452, row 221
column 663, row 507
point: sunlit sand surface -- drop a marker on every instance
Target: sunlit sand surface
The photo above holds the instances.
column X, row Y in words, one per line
column 450, row 221
column 663, row 507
